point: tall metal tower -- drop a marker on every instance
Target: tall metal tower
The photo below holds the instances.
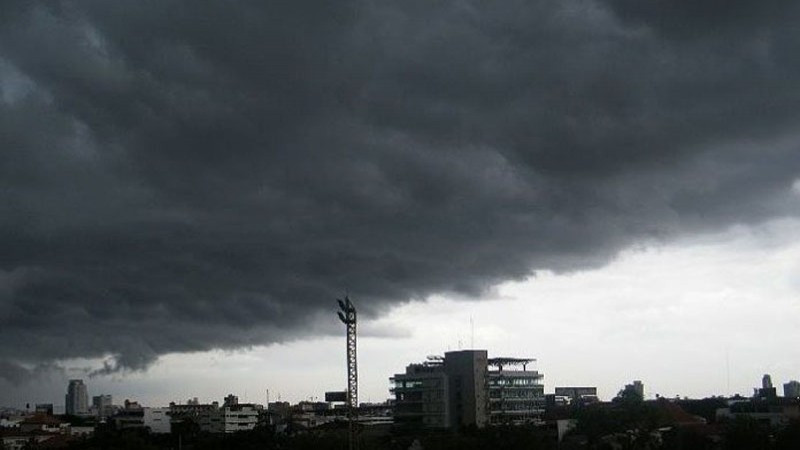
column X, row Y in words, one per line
column 348, row 316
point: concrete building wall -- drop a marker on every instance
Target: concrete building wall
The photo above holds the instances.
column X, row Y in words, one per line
column 229, row 419
column 157, row 419
column 421, row 396
column 791, row 389
column 466, row 371
column 239, row 417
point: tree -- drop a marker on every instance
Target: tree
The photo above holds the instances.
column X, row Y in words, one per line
column 789, row 437
column 746, row 433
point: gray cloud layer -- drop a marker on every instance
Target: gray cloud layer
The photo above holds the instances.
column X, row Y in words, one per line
column 178, row 176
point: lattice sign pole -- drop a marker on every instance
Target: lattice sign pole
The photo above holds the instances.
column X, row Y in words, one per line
column 348, row 316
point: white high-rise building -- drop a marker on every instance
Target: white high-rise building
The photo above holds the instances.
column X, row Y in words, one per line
column 77, row 399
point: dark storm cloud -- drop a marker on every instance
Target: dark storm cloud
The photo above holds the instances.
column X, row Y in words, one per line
column 180, row 176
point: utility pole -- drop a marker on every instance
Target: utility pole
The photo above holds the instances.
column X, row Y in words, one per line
column 348, row 316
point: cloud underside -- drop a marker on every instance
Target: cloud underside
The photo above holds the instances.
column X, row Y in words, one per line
column 182, row 176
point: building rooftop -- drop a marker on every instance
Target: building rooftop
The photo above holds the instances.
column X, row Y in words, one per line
column 505, row 361
column 41, row 419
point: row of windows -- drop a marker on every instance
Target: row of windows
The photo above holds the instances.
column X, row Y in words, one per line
column 411, row 384
column 526, row 393
column 512, row 382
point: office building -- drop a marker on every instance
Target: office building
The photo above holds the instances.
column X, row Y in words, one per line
column 421, row 395
column 156, row 419
column 466, row 388
column 791, row 389
column 77, row 399
column 637, row 387
column 230, row 419
column 515, row 396
column 577, row 395
column 102, row 406
column 767, row 390
column 44, row 408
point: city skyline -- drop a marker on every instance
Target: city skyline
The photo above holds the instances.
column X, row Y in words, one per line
column 186, row 188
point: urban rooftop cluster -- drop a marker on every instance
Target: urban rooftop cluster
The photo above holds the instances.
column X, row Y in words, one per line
column 459, row 390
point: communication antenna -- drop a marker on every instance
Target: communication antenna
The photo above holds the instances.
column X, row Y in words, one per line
column 472, row 333
column 348, row 316
column 728, row 369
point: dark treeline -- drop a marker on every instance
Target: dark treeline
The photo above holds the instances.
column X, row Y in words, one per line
column 633, row 426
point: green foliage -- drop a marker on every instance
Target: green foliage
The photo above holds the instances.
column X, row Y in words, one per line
column 788, row 438
column 745, row 433
column 628, row 424
column 705, row 408
column 502, row 437
column 264, row 439
column 628, row 396
column 627, row 414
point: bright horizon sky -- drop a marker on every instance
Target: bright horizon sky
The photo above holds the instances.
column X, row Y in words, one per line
column 675, row 316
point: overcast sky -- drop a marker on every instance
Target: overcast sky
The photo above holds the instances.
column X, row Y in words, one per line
column 611, row 186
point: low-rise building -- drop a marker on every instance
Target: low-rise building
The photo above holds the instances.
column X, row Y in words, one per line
column 44, row 408
column 42, row 422
column 156, row 419
column 191, row 411
column 791, row 389
column 230, row 419
column 576, row 394
column 16, row 440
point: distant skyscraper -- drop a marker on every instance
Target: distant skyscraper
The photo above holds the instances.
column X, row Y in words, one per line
column 636, row 387
column 767, row 390
column 766, row 381
column 77, row 399
column 791, row 389
column 102, row 405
